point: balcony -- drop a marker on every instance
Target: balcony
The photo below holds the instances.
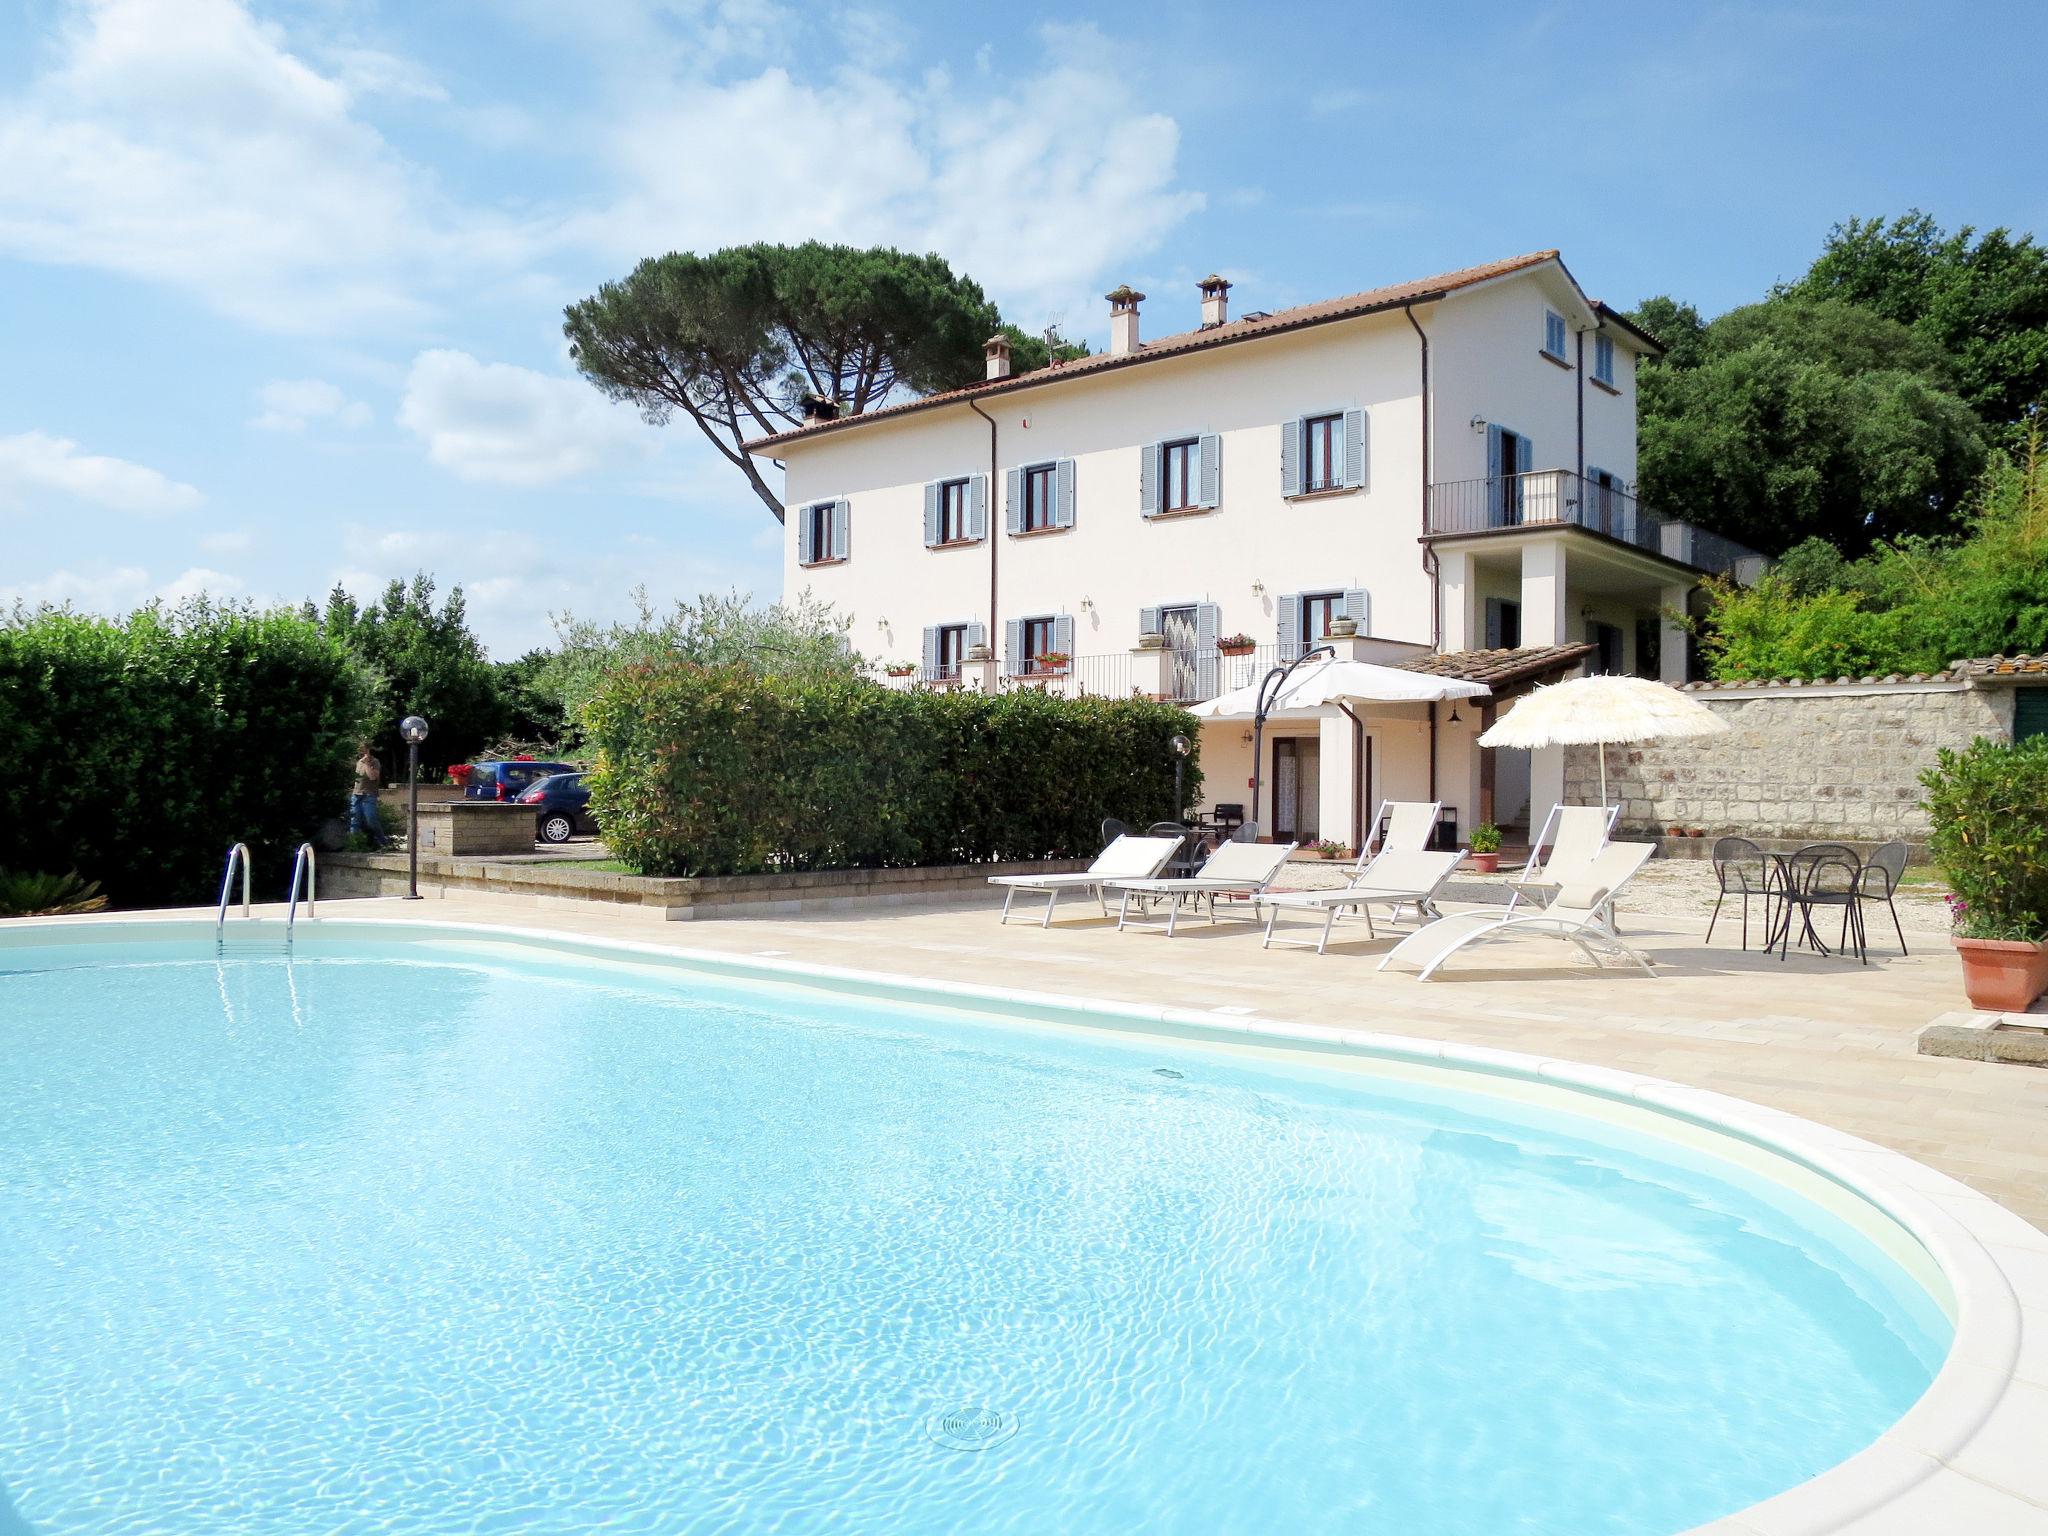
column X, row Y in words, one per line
column 1547, row 498
column 1192, row 674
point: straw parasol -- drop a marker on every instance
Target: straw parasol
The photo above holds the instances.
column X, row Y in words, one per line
column 1593, row 711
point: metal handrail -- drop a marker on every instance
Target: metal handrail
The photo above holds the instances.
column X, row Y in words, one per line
column 227, row 884
column 303, row 863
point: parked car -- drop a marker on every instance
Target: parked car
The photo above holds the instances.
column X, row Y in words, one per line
column 507, row 780
column 562, row 802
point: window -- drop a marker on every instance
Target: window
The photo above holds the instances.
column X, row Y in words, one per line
column 821, row 535
column 949, row 650
column 1040, row 636
column 1180, row 477
column 1603, row 360
column 1323, row 453
column 1317, row 609
column 953, row 511
column 1503, row 624
column 1041, row 498
column 1553, row 334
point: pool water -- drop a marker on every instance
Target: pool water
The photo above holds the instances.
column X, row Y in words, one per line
column 459, row 1241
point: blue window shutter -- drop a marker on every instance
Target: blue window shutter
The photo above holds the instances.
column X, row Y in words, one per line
column 803, row 535
column 1063, row 479
column 1288, row 613
column 977, row 507
column 1063, row 633
column 1358, row 605
column 1013, row 646
column 1354, row 449
column 1211, row 450
column 1493, row 626
column 1208, row 665
column 842, row 520
column 1525, row 455
column 1013, row 501
column 1148, row 480
column 1290, row 456
column 977, row 634
column 931, row 650
column 932, row 531
column 1148, row 621
column 1493, row 474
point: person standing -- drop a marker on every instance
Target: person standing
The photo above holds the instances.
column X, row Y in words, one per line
column 362, row 800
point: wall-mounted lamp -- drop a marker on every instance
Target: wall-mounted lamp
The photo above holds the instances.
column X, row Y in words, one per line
column 1258, row 587
column 881, row 623
column 1456, row 718
column 1479, row 425
column 1087, row 603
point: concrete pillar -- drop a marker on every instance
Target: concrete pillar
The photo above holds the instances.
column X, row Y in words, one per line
column 1671, row 638
column 1457, row 597
column 1148, row 673
column 1544, row 619
column 1546, row 784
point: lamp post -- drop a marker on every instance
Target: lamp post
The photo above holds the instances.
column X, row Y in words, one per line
column 1269, row 690
column 1180, row 746
column 414, row 731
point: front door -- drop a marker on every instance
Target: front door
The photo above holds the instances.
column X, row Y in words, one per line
column 1297, row 789
column 1178, row 625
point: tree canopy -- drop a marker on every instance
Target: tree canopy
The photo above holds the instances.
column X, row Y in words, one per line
column 736, row 339
column 429, row 663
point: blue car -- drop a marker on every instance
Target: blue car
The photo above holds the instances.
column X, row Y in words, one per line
column 561, row 804
column 510, row 779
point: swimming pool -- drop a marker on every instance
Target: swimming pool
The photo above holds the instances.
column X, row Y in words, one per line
column 447, row 1234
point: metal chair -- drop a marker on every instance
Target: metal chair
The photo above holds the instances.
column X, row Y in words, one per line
column 1187, row 856
column 1112, row 829
column 1741, row 869
column 1882, row 872
column 1245, row 832
column 1822, row 875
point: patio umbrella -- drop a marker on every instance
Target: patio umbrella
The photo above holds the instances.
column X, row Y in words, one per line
column 1318, row 684
column 1592, row 711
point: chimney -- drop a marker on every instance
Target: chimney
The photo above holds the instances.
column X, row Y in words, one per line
column 997, row 348
column 1123, row 319
column 1215, row 301
column 817, row 408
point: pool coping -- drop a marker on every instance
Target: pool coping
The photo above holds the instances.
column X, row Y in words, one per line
column 1964, row 1456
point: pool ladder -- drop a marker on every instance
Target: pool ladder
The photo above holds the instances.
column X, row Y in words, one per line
column 305, row 879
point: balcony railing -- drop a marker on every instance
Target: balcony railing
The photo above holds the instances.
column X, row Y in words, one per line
column 1190, row 674
column 1547, row 497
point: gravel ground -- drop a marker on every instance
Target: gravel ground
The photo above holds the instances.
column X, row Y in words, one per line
column 1665, row 888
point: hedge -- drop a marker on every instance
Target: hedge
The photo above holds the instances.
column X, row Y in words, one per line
column 140, row 749
column 718, row 771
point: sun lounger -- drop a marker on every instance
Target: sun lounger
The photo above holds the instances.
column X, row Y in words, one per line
column 1398, row 879
column 1579, row 915
column 1564, row 850
column 1234, row 869
column 1410, row 825
column 1127, row 858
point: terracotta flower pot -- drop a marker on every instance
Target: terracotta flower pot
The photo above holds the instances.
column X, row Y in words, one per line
column 2000, row 975
column 1485, row 863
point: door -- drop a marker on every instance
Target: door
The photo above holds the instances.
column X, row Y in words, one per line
column 1178, row 625
column 1297, row 789
column 1509, row 512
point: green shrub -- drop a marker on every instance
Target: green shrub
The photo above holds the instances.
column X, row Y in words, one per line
column 721, row 770
column 1989, row 806
column 1485, row 838
column 26, row 895
column 139, row 749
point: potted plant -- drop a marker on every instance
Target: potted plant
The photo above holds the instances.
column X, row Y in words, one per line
column 1324, row 848
column 1152, row 640
column 1051, row 661
column 1237, row 645
column 1343, row 629
column 1485, row 846
column 900, row 668
column 1988, row 805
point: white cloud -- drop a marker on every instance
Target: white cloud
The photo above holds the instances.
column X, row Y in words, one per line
column 105, row 590
column 506, row 425
column 37, row 462
column 228, row 542
column 373, row 72
column 291, row 405
column 199, row 581
column 182, row 142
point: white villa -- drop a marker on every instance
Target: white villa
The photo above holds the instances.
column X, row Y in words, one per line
column 1447, row 463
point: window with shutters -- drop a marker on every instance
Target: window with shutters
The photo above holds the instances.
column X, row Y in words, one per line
column 1317, row 610
column 1180, row 475
column 1603, row 360
column 1322, row 453
column 1041, row 498
column 1036, row 638
column 1553, row 336
column 820, row 524
column 949, row 652
column 953, row 507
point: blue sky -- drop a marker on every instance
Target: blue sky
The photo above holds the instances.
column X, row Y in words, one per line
column 281, row 284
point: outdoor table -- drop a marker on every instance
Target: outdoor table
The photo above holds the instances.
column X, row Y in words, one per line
column 1781, row 883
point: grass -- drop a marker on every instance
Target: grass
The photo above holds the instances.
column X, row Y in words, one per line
column 602, row 866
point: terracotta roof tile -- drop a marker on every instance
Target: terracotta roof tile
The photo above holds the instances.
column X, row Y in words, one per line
column 1280, row 320
column 1979, row 669
column 1503, row 667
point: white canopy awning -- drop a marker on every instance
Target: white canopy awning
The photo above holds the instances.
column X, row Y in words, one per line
column 1317, row 686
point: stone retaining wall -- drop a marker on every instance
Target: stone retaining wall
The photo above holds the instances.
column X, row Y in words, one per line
column 546, row 881
column 1799, row 761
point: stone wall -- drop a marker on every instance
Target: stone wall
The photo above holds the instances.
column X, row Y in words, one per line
column 1799, row 761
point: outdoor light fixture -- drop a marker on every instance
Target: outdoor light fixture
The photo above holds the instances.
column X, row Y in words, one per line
column 1180, row 746
column 1456, row 718
column 412, row 730
column 1479, row 425
column 1258, row 587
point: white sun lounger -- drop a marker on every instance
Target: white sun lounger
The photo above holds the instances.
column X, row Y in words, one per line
column 1126, row 858
column 1564, row 850
column 1410, row 825
column 1578, row 915
column 1234, row 869
column 1397, row 879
